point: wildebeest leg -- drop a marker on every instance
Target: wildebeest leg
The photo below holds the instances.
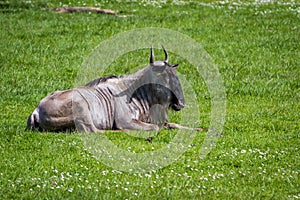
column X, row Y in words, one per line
column 85, row 125
column 145, row 126
column 139, row 125
column 177, row 126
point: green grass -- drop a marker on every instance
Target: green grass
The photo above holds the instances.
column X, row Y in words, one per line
column 256, row 47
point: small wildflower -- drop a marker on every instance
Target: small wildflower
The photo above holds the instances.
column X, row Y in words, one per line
column 104, row 172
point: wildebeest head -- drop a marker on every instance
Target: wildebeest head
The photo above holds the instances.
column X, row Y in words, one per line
column 165, row 74
column 158, row 79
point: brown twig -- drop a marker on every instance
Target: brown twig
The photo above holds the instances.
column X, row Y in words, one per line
column 83, row 9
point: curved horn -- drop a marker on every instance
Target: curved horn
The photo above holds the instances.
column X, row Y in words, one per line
column 151, row 56
column 166, row 54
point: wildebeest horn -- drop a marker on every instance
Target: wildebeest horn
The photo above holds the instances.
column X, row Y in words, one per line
column 166, row 54
column 151, row 56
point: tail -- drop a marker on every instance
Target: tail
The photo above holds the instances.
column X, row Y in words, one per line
column 33, row 121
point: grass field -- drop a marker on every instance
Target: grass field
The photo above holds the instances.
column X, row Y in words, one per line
column 255, row 45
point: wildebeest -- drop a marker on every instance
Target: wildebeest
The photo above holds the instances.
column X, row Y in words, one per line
column 139, row 101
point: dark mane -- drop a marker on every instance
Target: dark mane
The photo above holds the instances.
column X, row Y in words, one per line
column 99, row 80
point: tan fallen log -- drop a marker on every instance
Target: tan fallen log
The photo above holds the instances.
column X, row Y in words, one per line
column 83, row 9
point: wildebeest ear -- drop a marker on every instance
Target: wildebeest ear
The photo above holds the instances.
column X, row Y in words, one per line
column 175, row 66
